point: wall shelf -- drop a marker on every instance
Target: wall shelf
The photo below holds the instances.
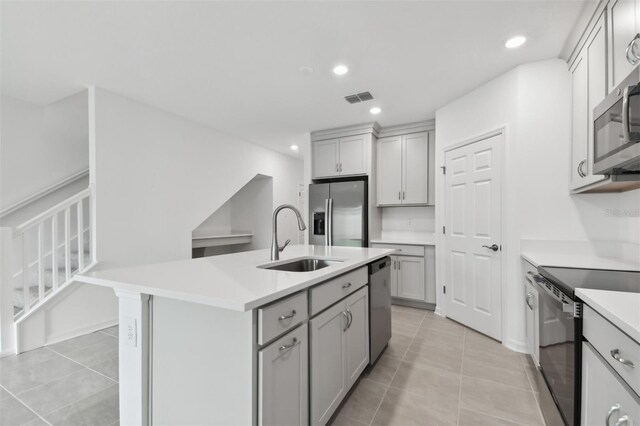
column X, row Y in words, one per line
column 205, row 240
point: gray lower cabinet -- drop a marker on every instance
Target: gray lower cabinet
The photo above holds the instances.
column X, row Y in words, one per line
column 606, row 399
column 283, row 384
column 339, row 345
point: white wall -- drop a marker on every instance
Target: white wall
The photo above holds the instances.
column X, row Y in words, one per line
column 41, row 145
column 408, row 219
column 158, row 176
column 533, row 103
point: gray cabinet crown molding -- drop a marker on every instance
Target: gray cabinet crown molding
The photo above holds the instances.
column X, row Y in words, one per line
column 405, row 129
column 340, row 132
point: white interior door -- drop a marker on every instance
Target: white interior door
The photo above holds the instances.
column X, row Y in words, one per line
column 473, row 186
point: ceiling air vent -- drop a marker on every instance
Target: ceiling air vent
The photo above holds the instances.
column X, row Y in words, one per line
column 359, row 97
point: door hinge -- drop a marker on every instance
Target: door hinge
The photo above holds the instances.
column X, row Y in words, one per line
column 444, row 169
column 443, row 230
column 444, row 289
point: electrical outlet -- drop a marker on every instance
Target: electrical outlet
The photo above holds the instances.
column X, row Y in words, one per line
column 410, row 223
column 131, row 331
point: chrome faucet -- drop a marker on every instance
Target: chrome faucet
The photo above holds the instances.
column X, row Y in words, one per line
column 275, row 248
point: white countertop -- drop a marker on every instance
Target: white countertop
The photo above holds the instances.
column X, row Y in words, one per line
column 407, row 241
column 620, row 308
column 232, row 281
column 577, row 260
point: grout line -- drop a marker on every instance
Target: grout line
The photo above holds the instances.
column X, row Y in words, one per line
column 25, row 405
column 78, row 400
column 81, row 364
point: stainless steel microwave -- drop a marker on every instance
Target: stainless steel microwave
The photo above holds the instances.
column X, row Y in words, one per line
column 616, row 129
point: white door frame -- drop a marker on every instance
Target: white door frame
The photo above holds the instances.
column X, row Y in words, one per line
column 442, row 302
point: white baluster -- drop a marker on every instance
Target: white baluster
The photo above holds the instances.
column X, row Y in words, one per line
column 41, row 261
column 80, row 237
column 54, row 251
column 67, row 244
column 25, row 275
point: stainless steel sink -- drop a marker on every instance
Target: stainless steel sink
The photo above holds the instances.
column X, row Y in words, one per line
column 302, row 265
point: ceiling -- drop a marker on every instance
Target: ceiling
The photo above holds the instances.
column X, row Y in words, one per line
column 235, row 66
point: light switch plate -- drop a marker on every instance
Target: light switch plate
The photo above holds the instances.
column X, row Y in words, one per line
column 131, row 331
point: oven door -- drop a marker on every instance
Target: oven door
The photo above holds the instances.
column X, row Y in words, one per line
column 557, row 351
column 616, row 129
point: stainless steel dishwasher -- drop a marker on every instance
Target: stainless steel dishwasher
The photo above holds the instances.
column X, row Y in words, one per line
column 379, row 307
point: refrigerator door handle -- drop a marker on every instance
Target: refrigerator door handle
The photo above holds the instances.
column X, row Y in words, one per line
column 329, row 222
column 326, row 222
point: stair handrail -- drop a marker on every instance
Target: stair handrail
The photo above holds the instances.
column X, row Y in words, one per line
column 47, row 214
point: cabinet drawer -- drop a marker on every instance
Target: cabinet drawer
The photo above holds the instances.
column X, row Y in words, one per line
column 325, row 295
column 405, row 250
column 607, row 339
column 275, row 319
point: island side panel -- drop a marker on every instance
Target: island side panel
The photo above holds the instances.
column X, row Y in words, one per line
column 203, row 365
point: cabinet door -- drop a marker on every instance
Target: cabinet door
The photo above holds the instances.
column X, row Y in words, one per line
column 622, row 29
column 353, row 155
column 411, row 278
column 415, row 169
column 357, row 335
column 602, row 392
column 328, row 372
column 430, row 270
column 579, row 120
column 389, row 173
column 394, row 276
column 596, row 51
column 325, row 158
column 283, row 395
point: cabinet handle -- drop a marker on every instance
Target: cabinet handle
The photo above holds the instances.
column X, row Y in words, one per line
column 284, row 317
column 581, row 173
column 340, row 167
column 399, row 195
column 290, row 345
column 632, row 58
column 394, row 264
column 615, row 353
column 346, row 286
column 403, row 197
column 528, row 300
column 399, row 263
column 344, row 314
column 624, row 420
column 613, row 409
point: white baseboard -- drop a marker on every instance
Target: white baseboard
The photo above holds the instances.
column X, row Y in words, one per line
column 79, row 331
column 7, row 352
column 516, row 346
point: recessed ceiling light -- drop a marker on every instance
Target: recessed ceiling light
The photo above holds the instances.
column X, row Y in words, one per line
column 514, row 42
column 306, row 70
column 375, row 110
column 294, row 147
column 340, row 69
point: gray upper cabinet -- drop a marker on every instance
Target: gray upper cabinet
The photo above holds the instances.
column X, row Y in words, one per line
column 346, row 156
column 622, row 30
column 589, row 87
column 403, row 169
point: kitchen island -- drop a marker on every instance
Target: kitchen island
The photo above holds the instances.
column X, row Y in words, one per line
column 231, row 340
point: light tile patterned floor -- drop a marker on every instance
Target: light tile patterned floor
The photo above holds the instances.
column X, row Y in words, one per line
column 438, row 372
column 434, row 372
column 74, row 382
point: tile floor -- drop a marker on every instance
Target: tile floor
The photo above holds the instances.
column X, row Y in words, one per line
column 74, row 382
column 434, row 372
column 438, row 372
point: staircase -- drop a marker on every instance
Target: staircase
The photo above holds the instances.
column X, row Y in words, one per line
column 44, row 254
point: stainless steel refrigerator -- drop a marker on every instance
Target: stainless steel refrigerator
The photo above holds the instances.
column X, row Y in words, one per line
column 338, row 213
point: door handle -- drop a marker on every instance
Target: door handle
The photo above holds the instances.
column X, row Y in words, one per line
column 493, row 247
column 344, row 314
column 613, row 409
column 581, row 172
column 615, row 353
column 632, row 58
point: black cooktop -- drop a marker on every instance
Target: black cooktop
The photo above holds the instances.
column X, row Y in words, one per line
column 568, row 279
